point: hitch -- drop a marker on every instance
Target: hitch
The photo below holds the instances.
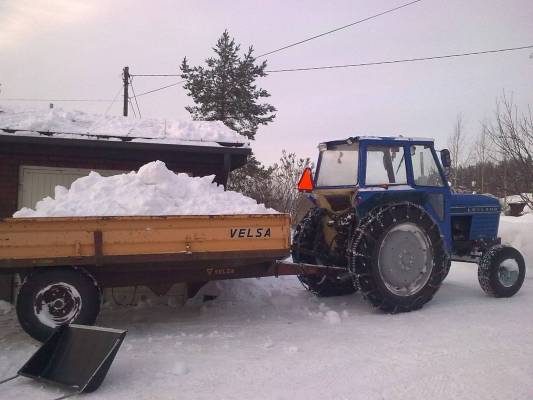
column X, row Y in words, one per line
column 291, row 268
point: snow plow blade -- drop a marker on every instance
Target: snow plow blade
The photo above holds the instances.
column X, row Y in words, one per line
column 75, row 357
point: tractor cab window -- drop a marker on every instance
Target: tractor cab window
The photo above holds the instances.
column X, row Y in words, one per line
column 337, row 165
column 425, row 170
column 385, row 165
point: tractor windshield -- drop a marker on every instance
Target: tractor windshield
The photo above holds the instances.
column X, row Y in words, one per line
column 337, row 165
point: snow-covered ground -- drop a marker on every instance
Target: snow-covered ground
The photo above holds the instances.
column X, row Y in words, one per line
column 74, row 124
column 153, row 190
column 270, row 339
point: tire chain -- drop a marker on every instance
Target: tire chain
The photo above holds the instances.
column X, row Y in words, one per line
column 361, row 273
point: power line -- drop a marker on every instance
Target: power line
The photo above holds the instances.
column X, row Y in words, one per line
column 95, row 123
column 155, row 75
column 132, row 107
column 113, row 101
column 48, row 100
column 338, row 29
column 367, row 64
column 473, row 53
column 158, row 89
column 135, row 97
column 295, row 43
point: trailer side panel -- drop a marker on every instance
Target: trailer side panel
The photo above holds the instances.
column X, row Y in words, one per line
column 104, row 240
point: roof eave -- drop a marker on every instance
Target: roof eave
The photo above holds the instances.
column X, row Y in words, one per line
column 222, row 148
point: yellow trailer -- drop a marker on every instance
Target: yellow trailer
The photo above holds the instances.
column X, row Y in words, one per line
column 65, row 262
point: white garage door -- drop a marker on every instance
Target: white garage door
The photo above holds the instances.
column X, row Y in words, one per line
column 36, row 183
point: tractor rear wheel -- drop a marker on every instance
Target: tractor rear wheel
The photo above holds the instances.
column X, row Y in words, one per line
column 308, row 247
column 398, row 257
column 501, row 271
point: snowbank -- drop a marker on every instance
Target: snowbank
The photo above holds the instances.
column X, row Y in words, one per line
column 80, row 125
column 5, row 307
column 515, row 231
column 153, row 190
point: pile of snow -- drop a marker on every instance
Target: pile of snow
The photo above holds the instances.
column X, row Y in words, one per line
column 258, row 291
column 81, row 125
column 153, row 190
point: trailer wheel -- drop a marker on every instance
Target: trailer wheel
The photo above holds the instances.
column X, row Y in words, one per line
column 501, row 271
column 398, row 257
column 54, row 297
column 307, row 248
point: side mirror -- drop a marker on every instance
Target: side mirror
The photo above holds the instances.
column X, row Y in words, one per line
column 445, row 158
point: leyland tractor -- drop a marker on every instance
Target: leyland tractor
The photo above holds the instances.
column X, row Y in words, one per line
column 384, row 216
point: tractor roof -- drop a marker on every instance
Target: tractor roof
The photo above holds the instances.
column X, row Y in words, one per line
column 395, row 139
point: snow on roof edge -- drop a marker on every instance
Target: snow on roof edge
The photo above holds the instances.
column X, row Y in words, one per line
column 59, row 123
column 123, row 139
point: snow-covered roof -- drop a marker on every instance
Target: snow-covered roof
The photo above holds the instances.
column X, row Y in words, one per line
column 355, row 139
column 59, row 123
column 408, row 139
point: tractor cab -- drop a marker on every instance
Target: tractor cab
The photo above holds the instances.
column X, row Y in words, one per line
column 365, row 172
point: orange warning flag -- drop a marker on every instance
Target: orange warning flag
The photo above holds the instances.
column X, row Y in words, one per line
column 305, row 184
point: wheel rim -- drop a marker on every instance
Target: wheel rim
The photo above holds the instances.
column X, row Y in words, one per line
column 57, row 304
column 508, row 272
column 405, row 259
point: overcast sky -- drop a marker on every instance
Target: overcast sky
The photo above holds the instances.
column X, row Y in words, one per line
column 77, row 49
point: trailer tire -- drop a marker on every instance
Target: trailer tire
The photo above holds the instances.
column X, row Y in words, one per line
column 307, row 242
column 398, row 257
column 53, row 297
column 501, row 271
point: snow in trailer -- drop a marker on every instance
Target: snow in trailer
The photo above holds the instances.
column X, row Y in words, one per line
column 153, row 190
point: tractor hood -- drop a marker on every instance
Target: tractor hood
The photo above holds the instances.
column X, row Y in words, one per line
column 480, row 213
column 474, row 204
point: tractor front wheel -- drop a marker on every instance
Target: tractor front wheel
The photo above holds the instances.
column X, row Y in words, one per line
column 501, row 271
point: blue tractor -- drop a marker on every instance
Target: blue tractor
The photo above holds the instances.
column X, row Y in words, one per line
column 383, row 211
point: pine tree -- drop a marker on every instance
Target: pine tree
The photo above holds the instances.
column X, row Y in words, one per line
column 253, row 180
column 224, row 90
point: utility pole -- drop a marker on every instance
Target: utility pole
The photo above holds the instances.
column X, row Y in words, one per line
column 126, row 80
